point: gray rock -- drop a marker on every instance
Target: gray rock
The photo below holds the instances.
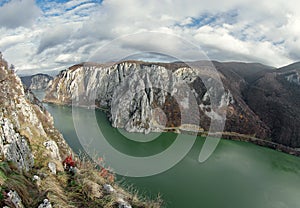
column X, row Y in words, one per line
column 108, row 188
column 52, row 146
column 46, row 204
column 37, row 180
column 13, row 146
column 123, row 204
column 15, row 199
column 130, row 90
column 293, row 78
column 37, row 81
column 52, row 167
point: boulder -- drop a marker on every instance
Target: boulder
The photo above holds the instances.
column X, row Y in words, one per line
column 37, row 180
column 52, row 167
column 15, row 199
column 54, row 151
column 108, row 188
column 46, row 204
column 123, row 204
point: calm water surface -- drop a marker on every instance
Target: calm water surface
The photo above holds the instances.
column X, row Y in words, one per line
column 237, row 175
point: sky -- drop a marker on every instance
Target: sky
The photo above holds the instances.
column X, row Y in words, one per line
column 50, row 35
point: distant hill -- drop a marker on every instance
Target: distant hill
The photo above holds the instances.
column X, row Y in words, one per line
column 261, row 101
column 275, row 98
column 37, row 81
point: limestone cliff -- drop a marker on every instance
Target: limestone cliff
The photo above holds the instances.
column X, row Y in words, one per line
column 31, row 154
column 144, row 97
column 25, row 127
column 24, row 123
column 37, row 81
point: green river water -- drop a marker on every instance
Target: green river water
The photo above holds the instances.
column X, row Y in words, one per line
column 237, row 175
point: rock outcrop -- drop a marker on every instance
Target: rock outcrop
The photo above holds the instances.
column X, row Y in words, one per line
column 15, row 199
column 45, row 204
column 37, row 81
column 144, row 97
column 13, row 146
column 31, row 153
column 24, row 124
column 259, row 100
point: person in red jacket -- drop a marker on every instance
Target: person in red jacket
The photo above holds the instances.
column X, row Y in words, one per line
column 69, row 163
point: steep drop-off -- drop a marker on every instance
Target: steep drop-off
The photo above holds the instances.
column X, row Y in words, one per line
column 37, row 81
column 144, row 97
column 275, row 98
column 32, row 151
column 26, row 128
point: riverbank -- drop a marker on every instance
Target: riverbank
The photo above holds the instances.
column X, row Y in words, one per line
column 264, row 143
column 234, row 171
column 192, row 129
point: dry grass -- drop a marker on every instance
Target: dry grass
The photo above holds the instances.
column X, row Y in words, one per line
column 62, row 189
column 56, row 192
column 84, row 189
column 12, row 179
column 80, row 189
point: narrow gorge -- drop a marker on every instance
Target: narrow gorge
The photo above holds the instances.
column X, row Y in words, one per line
column 32, row 154
column 146, row 97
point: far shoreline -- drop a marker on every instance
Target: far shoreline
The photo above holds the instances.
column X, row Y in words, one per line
column 233, row 136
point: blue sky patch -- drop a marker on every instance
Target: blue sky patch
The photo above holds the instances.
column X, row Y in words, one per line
column 214, row 19
column 2, row 2
column 47, row 5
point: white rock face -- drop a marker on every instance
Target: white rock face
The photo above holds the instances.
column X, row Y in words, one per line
column 293, row 78
column 210, row 111
column 24, row 122
column 15, row 199
column 24, row 127
column 132, row 100
column 13, row 146
column 54, row 151
column 17, row 114
column 40, row 82
column 52, row 167
column 46, row 204
column 131, row 91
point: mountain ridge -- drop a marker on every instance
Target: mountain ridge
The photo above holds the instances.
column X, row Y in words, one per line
column 239, row 79
column 38, row 81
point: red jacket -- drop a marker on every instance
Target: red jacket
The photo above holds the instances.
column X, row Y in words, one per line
column 69, row 161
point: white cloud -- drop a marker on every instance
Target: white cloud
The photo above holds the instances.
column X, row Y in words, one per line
column 260, row 51
column 53, row 36
column 67, row 58
column 11, row 40
column 67, row 33
column 18, row 13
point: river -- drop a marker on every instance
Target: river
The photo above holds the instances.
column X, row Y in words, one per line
column 237, row 175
